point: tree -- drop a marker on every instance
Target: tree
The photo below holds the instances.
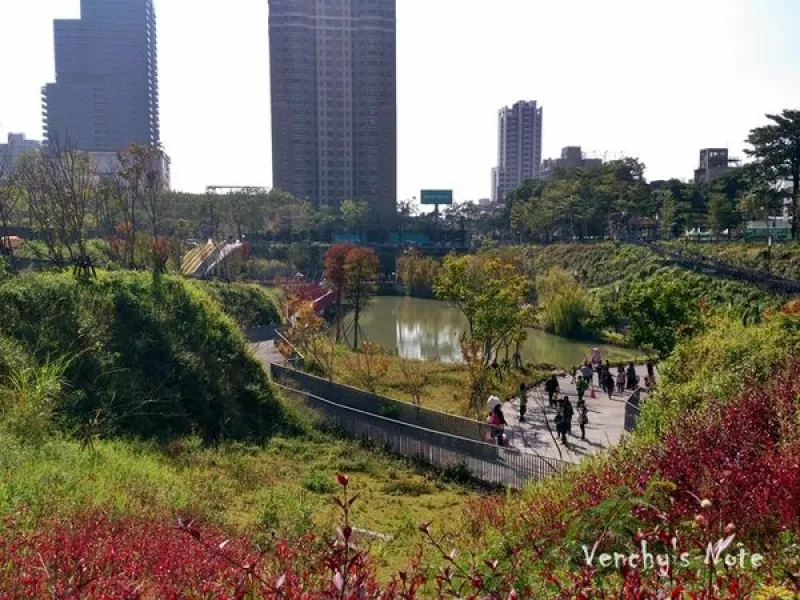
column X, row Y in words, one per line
column 414, row 378
column 406, row 210
column 323, row 220
column 361, row 272
column 143, row 173
column 9, row 196
column 660, row 310
column 354, row 215
column 369, row 366
column 306, row 335
column 776, row 147
column 416, row 272
column 59, row 183
column 491, row 293
column 335, row 275
column 719, row 213
column 563, row 303
column 668, row 211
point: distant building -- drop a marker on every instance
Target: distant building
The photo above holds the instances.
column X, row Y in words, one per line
column 571, row 157
column 777, row 228
column 105, row 96
column 714, row 163
column 519, row 148
column 17, row 146
column 333, row 69
column 107, row 166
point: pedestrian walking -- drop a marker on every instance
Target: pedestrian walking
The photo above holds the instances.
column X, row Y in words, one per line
column 651, row 370
column 583, row 418
column 568, row 413
column 498, row 422
column 633, row 379
column 563, row 419
column 552, row 388
column 608, row 383
column 523, row 402
column 621, row 379
column 587, row 371
column 582, row 385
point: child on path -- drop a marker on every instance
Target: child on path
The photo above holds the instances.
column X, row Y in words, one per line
column 621, row 379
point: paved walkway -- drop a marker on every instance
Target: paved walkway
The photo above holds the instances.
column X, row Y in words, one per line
column 605, row 428
column 267, row 353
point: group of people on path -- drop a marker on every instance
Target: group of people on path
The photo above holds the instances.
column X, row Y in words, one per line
column 583, row 378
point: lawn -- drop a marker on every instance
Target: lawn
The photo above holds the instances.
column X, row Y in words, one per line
column 281, row 487
column 444, row 384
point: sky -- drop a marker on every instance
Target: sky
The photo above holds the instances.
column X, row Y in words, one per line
column 654, row 79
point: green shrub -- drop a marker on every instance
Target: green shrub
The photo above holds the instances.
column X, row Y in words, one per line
column 319, row 483
column 153, row 358
column 563, row 304
column 29, row 397
column 248, row 304
column 716, row 365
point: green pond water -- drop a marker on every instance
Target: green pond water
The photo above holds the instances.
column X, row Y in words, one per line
column 427, row 329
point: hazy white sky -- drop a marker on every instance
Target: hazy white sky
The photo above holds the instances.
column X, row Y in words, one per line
column 657, row 79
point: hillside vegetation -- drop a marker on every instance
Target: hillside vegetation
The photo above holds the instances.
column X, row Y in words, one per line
column 783, row 259
column 133, row 355
column 249, row 305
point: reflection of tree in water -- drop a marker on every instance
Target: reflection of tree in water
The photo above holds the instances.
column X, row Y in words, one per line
column 427, row 328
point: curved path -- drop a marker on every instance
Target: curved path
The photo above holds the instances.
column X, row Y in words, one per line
column 606, row 421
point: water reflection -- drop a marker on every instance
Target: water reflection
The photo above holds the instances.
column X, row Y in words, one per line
column 426, row 329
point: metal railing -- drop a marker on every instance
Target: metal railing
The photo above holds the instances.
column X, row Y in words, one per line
column 489, row 463
column 381, row 405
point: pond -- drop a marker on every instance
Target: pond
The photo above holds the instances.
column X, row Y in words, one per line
column 427, row 329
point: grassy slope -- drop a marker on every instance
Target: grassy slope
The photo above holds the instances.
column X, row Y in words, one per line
column 608, row 268
column 280, row 484
column 784, row 261
column 151, row 358
column 249, row 305
column 445, row 387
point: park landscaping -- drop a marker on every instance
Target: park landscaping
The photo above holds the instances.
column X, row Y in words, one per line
column 716, row 455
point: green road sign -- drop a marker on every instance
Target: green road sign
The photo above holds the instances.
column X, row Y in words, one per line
column 436, row 197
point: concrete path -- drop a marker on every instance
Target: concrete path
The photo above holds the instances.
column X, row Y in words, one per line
column 605, row 428
column 267, row 353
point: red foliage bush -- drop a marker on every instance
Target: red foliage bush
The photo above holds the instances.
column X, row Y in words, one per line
column 741, row 457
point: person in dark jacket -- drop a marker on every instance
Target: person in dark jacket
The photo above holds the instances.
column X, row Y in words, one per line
column 608, row 383
column 552, row 388
column 563, row 419
column 633, row 379
column 583, row 417
column 651, row 370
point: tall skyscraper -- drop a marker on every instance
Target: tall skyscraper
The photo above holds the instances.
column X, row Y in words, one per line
column 334, row 101
column 519, row 148
column 105, row 96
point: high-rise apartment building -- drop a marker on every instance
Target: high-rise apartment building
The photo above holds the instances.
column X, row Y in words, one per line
column 334, row 101
column 105, row 96
column 519, row 148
